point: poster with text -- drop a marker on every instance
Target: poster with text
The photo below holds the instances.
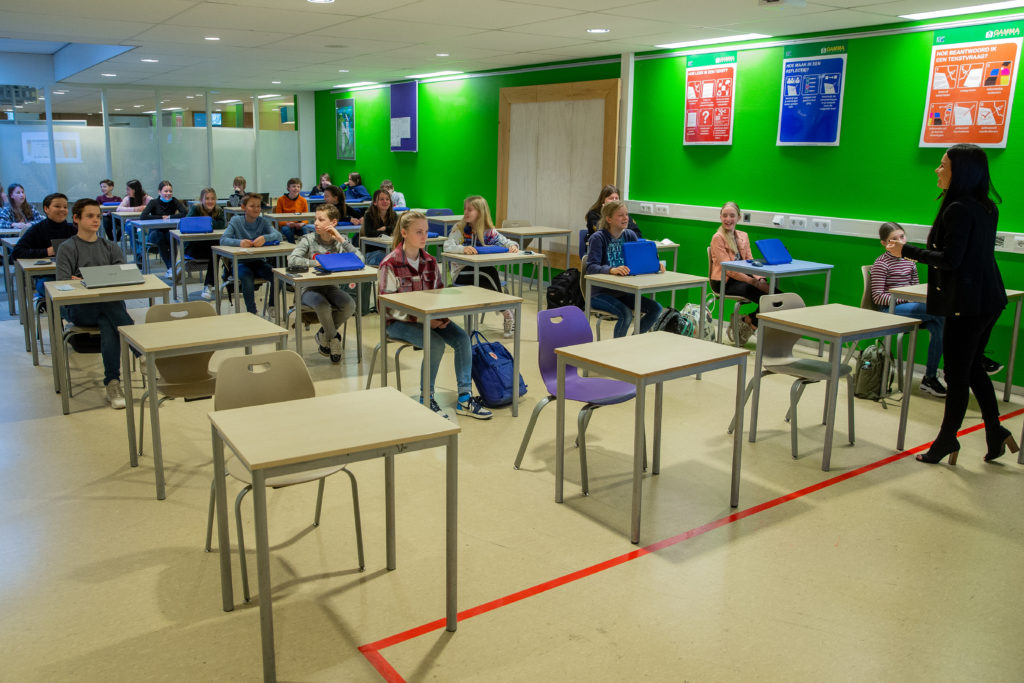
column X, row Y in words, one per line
column 345, row 111
column 813, row 81
column 710, row 96
column 970, row 86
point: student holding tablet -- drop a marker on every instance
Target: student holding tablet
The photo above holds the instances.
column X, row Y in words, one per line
column 604, row 256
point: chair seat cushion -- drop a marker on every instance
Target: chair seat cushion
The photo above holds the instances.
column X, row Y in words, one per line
column 808, row 368
column 597, row 390
column 237, row 470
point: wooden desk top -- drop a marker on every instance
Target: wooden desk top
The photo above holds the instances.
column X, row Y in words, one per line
column 311, row 279
column 256, row 252
column 920, row 292
column 128, row 214
column 446, row 219
column 535, row 231
column 277, row 217
column 650, row 354
column 10, row 241
column 650, row 280
column 152, row 286
column 837, row 319
column 238, row 328
column 499, row 257
column 386, row 240
column 378, row 418
column 185, row 237
column 33, row 267
column 447, row 300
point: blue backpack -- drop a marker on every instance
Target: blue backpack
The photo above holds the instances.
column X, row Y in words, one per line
column 492, row 372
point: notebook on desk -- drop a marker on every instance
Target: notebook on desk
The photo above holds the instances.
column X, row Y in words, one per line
column 773, row 252
column 118, row 275
column 641, row 257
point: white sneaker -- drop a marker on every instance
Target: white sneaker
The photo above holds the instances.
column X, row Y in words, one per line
column 335, row 349
column 271, row 313
column 510, row 325
column 115, row 397
column 169, row 273
column 207, row 292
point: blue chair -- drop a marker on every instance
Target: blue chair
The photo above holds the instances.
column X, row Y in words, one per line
column 434, row 226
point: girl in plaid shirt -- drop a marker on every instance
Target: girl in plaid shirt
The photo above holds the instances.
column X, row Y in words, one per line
column 409, row 268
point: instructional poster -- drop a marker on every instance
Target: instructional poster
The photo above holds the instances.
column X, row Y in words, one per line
column 710, row 98
column 813, row 81
column 345, row 112
column 970, row 89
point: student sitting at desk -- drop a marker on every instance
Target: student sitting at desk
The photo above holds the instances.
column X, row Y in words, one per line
column 18, row 214
column 252, row 230
column 379, row 220
column 166, row 205
column 292, row 202
column 206, row 206
column 730, row 244
column 322, row 184
column 37, row 241
column 397, row 198
column 609, row 193
column 135, row 198
column 409, row 268
column 605, row 256
column 355, row 191
column 477, row 229
column 335, row 196
column 106, row 195
column 238, row 191
column 332, row 304
column 87, row 248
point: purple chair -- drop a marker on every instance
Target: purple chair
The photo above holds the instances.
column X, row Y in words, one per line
column 566, row 326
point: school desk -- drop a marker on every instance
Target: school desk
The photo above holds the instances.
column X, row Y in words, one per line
column 278, row 252
column 28, row 268
column 638, row 285
column 178, row 242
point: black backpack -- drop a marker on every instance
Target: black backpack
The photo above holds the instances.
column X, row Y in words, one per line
column 672, row 321
column 565, row 290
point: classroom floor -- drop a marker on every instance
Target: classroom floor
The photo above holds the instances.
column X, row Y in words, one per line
column 882, row 569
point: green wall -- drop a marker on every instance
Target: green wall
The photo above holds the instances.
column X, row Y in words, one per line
column 458, row 136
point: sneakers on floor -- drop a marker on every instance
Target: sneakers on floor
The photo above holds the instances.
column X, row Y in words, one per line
column 321, row 343
column 115, row 396
column 271, row 314
column 437, row 409
column 169, row 274
column 335, row 349
column 991, row 366
column 746, row 332
column 510, row 325
column 207, row 293
column 932, row 385
column 473, row 408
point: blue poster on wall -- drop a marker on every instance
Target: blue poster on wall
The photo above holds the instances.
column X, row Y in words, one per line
column 813, row 80
column 404, row 117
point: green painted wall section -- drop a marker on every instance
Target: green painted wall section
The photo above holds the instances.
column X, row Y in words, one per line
column 458, row 136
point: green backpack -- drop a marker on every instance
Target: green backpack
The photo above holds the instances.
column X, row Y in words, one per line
column 868, row 377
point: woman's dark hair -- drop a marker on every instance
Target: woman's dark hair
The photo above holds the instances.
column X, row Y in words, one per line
column 887, row 229
column 969, row 178
column 163, row 184
column 338, row 194
column 356, row 178
column 19, row 213
column 138, row 194
column 389, row 217
column 605, row 191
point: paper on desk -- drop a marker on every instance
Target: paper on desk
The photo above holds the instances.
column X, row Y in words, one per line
column 127, row 266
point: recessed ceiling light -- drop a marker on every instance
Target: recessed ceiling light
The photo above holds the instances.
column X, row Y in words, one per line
column 212, row 38
column 435, row 74
column 441, row 54
column 599, row 30
column 149, row 61
column 275, row 82
column 320, row 2
column 216, row 109
column 109, row 75
column 189, row 97
column 227, row 101
column 266, row 97
column 117, row 109
column 963, row 10
column 343, row 71
column 137, row 106
column 355, row 85
column 713, row 41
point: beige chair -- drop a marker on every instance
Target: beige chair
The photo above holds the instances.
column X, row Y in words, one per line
column 723, row 297
column 261, row 379
column 188, row 377
column 69, row 332
column 778, row 359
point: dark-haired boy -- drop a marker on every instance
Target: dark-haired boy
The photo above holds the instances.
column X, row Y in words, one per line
column 37, row 241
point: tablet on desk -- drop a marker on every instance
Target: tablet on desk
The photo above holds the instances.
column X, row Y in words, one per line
column 641, row 257
column 773, row 251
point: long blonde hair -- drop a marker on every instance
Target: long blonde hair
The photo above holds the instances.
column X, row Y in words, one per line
column 483, row 223
column 404, row 221
column 607, row 211
column 730, row 237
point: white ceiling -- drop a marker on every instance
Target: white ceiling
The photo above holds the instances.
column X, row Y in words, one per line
column 304, row 45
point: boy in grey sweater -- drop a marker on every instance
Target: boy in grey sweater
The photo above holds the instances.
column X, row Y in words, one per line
column 252, row 230
column 87, row 248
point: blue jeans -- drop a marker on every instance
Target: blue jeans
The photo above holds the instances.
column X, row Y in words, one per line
column 107, row 316
column 248, row 271
column 452, row 335
column 375, row 256
column 934, row 324
column 621, row 306
column 161, row 239
column 40, row 281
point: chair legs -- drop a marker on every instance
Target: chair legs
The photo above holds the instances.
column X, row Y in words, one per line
column 398, row 368
column 529, row 428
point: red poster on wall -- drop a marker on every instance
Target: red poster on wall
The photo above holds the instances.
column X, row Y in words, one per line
column 970, row 91
column 710, row 96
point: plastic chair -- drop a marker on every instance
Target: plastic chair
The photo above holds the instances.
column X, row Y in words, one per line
column 188, row 377
column 567, row 326
column 73, row 331
column 723, row 297
column 778, row 359
column 261, row 379
column 867, row 302
column 307, row 318
column 434, row 226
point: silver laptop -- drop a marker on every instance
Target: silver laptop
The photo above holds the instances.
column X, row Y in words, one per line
column 111, row 276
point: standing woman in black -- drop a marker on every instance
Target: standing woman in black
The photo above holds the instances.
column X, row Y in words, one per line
column 964, row 285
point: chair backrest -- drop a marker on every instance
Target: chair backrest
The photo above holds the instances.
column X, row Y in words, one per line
column 865, row 297
column 515, row 223
column 434, row 226
column 182, row 369
column 583, row 243
column 778, row 345
column 557, row 327
column 262, row 378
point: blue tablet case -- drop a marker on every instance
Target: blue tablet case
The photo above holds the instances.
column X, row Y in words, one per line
column 773, row 251
column 334, row 263
column 641, row 257
column 491, row 249
column 194, row 225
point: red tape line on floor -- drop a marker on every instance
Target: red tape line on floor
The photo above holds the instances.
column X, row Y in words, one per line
column 372, row 650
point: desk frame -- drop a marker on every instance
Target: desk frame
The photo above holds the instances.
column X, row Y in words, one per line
column 182, row 239
column 627, row 284
column 26, row 270
column 277, row 252
column 145, row 227
column 506, row 259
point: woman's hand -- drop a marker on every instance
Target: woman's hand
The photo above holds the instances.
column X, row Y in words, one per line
column 469, row 250
column 619, row 270
column 439, row 323
column 355, row 221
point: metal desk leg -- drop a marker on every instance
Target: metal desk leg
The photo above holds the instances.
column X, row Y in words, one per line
column 215, row 264
column 174, row 262
column 259, row 501
column 905, row 407
column 831, row 392
column 638, row 455
column 721, row 308
column 656, row 460
column 129, row 403
column 451, row 532
column 516, row 348
column 24, row 314
column 57, row 355
column 1013, row 351
column 237, row 286
column 382, row 314
column 223, row 539
column 425, row 389
column 828, row 280
column 700, row 314
column 560, row 429
column 359, row 323
column 154, row 414
column 282, row 309
column 389, row 509
column 737, row 435
column 8, row 281
column 34, row 328
column 636, row 312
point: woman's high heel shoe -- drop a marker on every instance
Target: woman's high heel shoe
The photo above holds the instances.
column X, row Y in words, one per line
column 998, row 442
column 939, row 450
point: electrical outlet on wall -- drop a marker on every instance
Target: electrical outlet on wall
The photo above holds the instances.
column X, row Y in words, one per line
column 746, row 216
column 647, row 208
column 661, row 209
column 821, row 224
column 1018, row 242
column 798, row 222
